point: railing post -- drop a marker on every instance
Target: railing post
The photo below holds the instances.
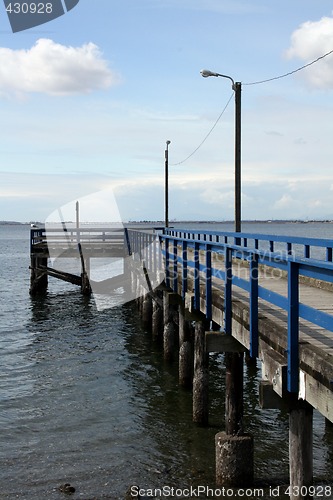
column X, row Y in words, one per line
column 208, row 282
column 254, row 285
column 167, row 263
column 175, row 267
column 293, row 326
column 127, row 240
column 196, row 277
column 184, row 268
column 228, row 291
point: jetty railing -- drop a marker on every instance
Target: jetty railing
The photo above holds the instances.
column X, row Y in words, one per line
column 207, row 258
column 293, row 245
column 43, row 240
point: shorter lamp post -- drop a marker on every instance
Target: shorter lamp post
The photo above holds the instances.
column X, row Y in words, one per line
column 166, row 184
column 237, row 88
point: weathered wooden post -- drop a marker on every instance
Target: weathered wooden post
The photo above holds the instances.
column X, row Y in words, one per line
column 147, row 309
column 234, row 448
column 301, row 451
column 139, row 295
column 234, row 393
column 38, row 275
column 170, row 307
column 157, row 314
column 186, row 353
column 201, row 375
column 38, row 263
column 85, row 270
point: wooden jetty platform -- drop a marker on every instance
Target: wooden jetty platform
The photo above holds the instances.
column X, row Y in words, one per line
column 67, row 243
column 260, row 297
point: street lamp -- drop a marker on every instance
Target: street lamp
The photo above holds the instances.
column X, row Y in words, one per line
column 166, row 184
column 237, row 88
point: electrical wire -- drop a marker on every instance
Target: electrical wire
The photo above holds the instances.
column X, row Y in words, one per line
column 291, row 72
column 204, row 140
column 252, row 83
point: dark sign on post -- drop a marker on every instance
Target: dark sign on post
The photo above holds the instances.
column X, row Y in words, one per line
column 23, row 15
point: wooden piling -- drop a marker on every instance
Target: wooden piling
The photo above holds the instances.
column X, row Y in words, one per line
column 170, row 307
column 234, row 393
column 201, row 375
column 147, row 309
column 301, row 451
column 85, row 272
column 234, row 460
column 233, row 445
column 157, row 314
column 186, row 359
column 38, row 275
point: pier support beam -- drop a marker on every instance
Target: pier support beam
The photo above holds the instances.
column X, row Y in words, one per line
column 147, row 310
column 234, row 363
column 85, row 274
column 38, row 275
column 157, row 315
column 233, row 445
column 170, row 310
column 234, row 460
column 186, row 360
column 300, row 450
column 201, row 374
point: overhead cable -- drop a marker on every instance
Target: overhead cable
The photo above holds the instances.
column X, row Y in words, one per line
column 291, row 72
column 204, row 140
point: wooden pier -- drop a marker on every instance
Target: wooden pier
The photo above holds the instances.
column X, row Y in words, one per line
column 260, row 297
column 64, row 242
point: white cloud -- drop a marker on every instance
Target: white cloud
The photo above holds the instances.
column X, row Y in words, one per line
column 54, row 69
column 310, row 41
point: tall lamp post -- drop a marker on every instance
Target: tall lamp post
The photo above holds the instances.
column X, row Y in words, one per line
column 237, row 88
column 166, row 184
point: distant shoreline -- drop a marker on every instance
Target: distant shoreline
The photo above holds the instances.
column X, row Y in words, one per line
column 269, row 221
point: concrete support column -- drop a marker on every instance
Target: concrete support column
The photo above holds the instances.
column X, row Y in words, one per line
column 201, row 375
column 300, row 450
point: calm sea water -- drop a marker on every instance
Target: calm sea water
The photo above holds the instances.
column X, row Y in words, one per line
column 86, row 398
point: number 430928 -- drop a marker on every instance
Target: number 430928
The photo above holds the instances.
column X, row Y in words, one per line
column 29, row 8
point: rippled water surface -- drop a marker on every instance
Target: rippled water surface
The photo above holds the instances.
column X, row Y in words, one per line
column 86, row 399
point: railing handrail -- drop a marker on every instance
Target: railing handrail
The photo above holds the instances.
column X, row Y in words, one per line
column 321, row 242
column 241, row 239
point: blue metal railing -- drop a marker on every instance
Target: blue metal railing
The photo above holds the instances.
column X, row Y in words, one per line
column 302, row 247
column 185, row 250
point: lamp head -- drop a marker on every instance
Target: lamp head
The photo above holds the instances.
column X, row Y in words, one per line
column 206, row 73
column 168, row 142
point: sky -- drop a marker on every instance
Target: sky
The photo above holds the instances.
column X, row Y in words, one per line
column 89, row 100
